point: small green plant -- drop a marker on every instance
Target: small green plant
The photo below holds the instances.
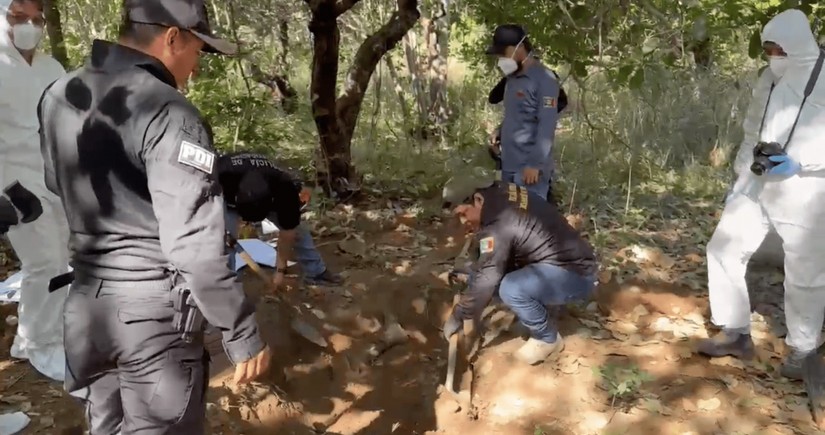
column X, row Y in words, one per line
column 622, row 382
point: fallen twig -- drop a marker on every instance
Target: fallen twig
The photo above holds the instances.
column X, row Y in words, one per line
column 14, row 381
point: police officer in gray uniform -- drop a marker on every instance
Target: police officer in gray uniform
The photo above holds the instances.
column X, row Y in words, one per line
column 135, row 169
column 530, row 111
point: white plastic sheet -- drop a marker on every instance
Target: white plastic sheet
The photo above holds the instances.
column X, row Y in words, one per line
column 267, row 227
column 261, row 252
column 10, row 289
column 13, row 423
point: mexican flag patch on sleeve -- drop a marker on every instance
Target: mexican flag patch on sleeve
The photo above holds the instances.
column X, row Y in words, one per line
column 486, row 245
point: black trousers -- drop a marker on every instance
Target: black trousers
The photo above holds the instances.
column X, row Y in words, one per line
column 127, row 364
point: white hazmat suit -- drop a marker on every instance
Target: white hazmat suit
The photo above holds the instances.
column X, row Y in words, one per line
column 792, row 205
column 42, row 245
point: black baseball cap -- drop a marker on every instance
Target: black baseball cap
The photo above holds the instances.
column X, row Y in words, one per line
column 506, row 35
column 187, row 15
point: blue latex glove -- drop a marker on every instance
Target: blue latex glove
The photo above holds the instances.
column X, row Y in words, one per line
column 786, row 166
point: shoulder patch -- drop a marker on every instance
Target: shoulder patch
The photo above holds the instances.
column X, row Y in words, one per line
column 487, row 245
column 196, row 157
column 549, row 102
column 512, row 193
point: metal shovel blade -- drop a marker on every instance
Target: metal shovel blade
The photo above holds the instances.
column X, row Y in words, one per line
column 307, row 331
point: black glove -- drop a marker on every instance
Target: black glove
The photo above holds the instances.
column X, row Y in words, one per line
column 26, row 202
column 8, row 215
column 451, row 327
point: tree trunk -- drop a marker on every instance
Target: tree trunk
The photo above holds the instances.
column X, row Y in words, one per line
column 336, row 118
column 414, row 68
column 702, row 53
column 283, row 36
column 396, row 85
column 438, row 44
column 55, row 28
column 334, row 153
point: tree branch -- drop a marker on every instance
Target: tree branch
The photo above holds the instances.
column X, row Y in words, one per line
column 55, row 30
column 344, row 5
column 367, row 57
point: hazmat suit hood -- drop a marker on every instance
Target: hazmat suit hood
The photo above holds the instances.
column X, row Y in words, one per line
column 790, row 199
column 5, row 28
column 6, row 45
column 792, row 31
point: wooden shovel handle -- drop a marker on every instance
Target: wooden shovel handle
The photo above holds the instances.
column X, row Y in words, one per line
column 233, row 244
column 452, row 353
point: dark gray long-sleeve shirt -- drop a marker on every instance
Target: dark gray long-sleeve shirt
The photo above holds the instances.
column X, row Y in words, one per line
column 528, row 130
column 134, row 166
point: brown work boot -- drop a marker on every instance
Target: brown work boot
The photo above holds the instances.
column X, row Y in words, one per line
column 727, row 344
column 536, row 351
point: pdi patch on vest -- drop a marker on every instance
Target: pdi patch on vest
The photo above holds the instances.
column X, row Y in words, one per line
column 549, row 102
column 487, row 245
column 196, row 157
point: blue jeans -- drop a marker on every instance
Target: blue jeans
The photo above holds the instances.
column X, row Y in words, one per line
column 540, row 188
column 527, row 291
column 306, row 254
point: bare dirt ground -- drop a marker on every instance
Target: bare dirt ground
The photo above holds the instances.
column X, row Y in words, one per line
column 628, row 366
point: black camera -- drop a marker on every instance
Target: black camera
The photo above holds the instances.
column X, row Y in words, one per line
column 18, row 205
column 761, row 153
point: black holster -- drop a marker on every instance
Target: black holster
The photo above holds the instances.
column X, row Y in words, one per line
column 188, row 319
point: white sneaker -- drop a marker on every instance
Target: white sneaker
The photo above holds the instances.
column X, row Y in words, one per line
column 536, row 351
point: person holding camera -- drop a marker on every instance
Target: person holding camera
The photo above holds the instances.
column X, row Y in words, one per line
column 781, row 176
column 40, row 245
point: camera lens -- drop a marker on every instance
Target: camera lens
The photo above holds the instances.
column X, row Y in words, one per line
column 758, row 168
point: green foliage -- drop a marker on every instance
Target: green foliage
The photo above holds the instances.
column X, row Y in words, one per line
column 643, row 111
column 622, row 382
column 629, row 38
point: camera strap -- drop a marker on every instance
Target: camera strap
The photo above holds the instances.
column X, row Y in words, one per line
column 809, row 88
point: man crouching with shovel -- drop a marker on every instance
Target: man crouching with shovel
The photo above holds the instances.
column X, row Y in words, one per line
column 528, row 253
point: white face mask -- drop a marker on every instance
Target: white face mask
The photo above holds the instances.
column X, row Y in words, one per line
column 26, row 36
column 508, row 65
column 778, row 65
